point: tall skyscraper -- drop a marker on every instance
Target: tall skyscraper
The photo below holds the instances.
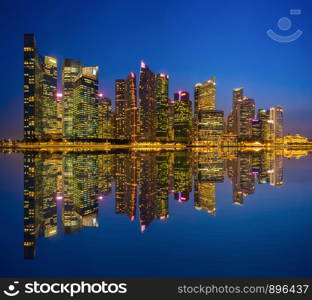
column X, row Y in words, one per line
column 131, row 108
column 105, row 124
column 209, row 121
column 162, row 107
column 277, row 121
column 182, row 117
column 207, row 95
column 49, row 120
column 266, row 125
column 238, row 96
column 85, row 108
column 147, row 101
column 70, row 71
column 121, row 105
column 32, row 88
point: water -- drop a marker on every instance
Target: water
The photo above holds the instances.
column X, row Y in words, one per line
column 156, row 214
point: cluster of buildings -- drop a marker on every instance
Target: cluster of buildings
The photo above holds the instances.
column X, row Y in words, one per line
column 142, row 110
column 142, row 182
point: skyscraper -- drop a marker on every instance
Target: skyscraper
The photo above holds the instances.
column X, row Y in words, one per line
column 105, row 126
column 49, row 120
column 277, row 121
column 130, row 95
column 32, row 88
column 85, row 108
column 243, row 112
column 147, row 101
column 182, row 117
column 70, row 71
column 238, row 96
column 266, row 131
column 121, row 105
column 162, row 107
column 207, row 95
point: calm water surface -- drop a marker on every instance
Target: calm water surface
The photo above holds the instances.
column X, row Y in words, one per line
column 188, row 213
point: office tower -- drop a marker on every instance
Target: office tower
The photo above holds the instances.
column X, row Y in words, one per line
column 33, row 73
column 105, row 126
column 59, row 113
column 229, row 123
column 207, row 95
column 238, row 96
column 162, row 107
column 195, row 110
column 85, row 108
column 182, row 117
column 171, row 120
column 210, row 125
column 121, row 105
column 49, row 121
column 209, row 122
column 256, row 130
column 245, row 113
column 147, row 101
column 277, row 121
column 264, row 117
column 70, row 71
column 130, row 96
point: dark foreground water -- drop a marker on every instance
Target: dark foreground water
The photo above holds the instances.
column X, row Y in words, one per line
column 156, row 214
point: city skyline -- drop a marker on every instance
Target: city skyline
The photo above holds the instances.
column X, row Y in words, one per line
column 141, row 112
column 271, row 81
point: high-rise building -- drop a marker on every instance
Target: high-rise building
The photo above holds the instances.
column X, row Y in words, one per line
column 238, row 96
column 210, row 125
column 171, row 120
column 264, row 117
column 205, row 117
column 162, row 107
column 182, row 117
column 32, row 89
column 130, row 95
column 277, row 121
column 70, row 71
column 49, row 120
column 206, row 94
column 245, row 113
column 121, row 105
column 256, row 128
column 147, row 101
column 105, row 126
column 85, row 108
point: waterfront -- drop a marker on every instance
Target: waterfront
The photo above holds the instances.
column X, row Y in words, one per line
column 198, row 213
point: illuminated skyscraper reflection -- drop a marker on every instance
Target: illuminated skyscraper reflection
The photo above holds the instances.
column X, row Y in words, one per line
column 137, row 181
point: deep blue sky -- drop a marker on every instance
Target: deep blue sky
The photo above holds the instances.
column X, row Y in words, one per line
column 190, row 40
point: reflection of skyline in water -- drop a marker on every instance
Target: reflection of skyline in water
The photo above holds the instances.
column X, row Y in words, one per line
column 141, row 183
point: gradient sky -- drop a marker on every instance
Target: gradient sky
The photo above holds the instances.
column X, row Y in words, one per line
column 189, row 40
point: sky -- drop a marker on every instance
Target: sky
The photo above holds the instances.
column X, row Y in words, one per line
column 189, row 40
